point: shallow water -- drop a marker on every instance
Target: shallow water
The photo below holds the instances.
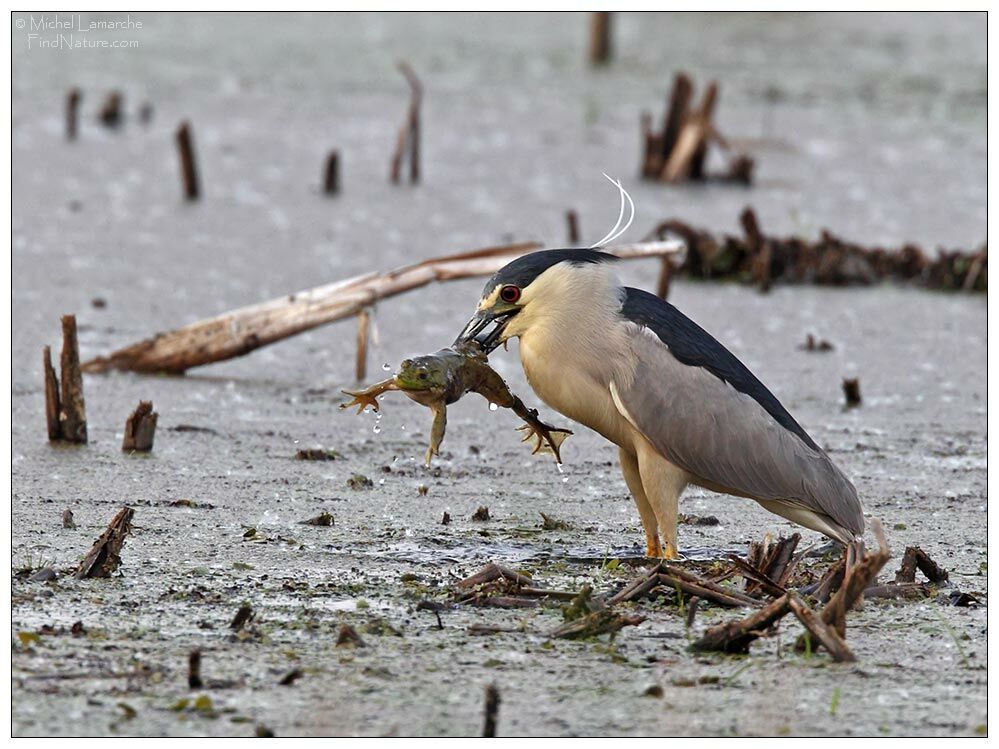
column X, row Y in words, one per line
column 873, row 126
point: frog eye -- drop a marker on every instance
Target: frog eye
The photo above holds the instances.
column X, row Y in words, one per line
column 422, row 374
column 509, row 294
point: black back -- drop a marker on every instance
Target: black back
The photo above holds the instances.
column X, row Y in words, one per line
column 695, row 347
column 522, row 271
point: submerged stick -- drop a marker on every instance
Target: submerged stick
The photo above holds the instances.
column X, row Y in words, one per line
column 572, row 223
column 238, row 332
column 331, row 175
column 188, row 164
column 104, row 558
column 491, row 711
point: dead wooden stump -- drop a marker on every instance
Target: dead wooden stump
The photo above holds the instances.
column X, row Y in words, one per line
column 851, row 392
column 188, row 163
column 331, row 175
column 72, row 112
column 194, row 670
column 111, row 112
column 408, row 142
column 140, row 428
column 104, row 558
column 600, row 38
column 65, row 410
column 679, row 151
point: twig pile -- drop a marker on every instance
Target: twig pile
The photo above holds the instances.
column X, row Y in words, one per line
column 830, row 261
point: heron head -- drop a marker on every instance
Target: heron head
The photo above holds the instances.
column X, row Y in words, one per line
column 524, row 289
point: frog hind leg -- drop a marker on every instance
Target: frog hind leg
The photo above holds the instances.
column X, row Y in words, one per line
column 437, row 431
column 369, row 396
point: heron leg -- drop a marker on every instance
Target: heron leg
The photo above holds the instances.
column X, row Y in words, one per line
column 629, row 467
column 663, row 483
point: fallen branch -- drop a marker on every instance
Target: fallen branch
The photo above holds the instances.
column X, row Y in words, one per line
column 824, row 635
column 736, row 636
column 599, row 622
column 241, row 331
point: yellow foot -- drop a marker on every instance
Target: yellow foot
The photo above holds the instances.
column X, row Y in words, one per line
column 652, row 548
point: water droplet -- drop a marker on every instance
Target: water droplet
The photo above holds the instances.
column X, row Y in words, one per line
column 376, row 429
column 493, row 406
column 403, row 427
column 386, row 366
column 381, row 482
column 565, row 479
column 559, row 467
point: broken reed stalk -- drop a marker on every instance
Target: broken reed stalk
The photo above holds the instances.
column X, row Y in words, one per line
column 665, row 274
column 72, row 112
column 331, row 176
column 105, row 555
column 241, row 331
column 491, row 711
column 572, row 223
column 686, row 160
column 51, row 397
column 140, row 428
column 363, row 330
column 188, row 164
column 65, row 410
column 600, row 38
column 408, row 140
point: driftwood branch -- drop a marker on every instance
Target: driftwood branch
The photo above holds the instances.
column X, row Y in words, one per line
column 241, row 331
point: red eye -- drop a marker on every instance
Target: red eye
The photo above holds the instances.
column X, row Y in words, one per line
column 509, row 294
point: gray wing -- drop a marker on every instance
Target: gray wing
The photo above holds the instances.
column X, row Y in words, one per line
column 725, row 438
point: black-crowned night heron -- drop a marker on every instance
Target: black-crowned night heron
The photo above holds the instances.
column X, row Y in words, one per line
column 681, row 408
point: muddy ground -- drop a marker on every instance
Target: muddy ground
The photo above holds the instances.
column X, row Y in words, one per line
column 873, row 126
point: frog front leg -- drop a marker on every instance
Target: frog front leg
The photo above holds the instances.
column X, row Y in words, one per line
column 436, row 430
column 368, row 397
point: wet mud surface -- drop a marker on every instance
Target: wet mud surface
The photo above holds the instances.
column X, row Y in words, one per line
column 510, row 145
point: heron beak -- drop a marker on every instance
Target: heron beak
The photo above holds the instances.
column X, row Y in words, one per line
column 476, row 331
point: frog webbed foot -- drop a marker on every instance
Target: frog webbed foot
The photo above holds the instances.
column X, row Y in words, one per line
column 361, row 399
column 544, row 438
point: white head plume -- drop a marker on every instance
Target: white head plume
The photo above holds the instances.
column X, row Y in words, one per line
column 618, row 230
